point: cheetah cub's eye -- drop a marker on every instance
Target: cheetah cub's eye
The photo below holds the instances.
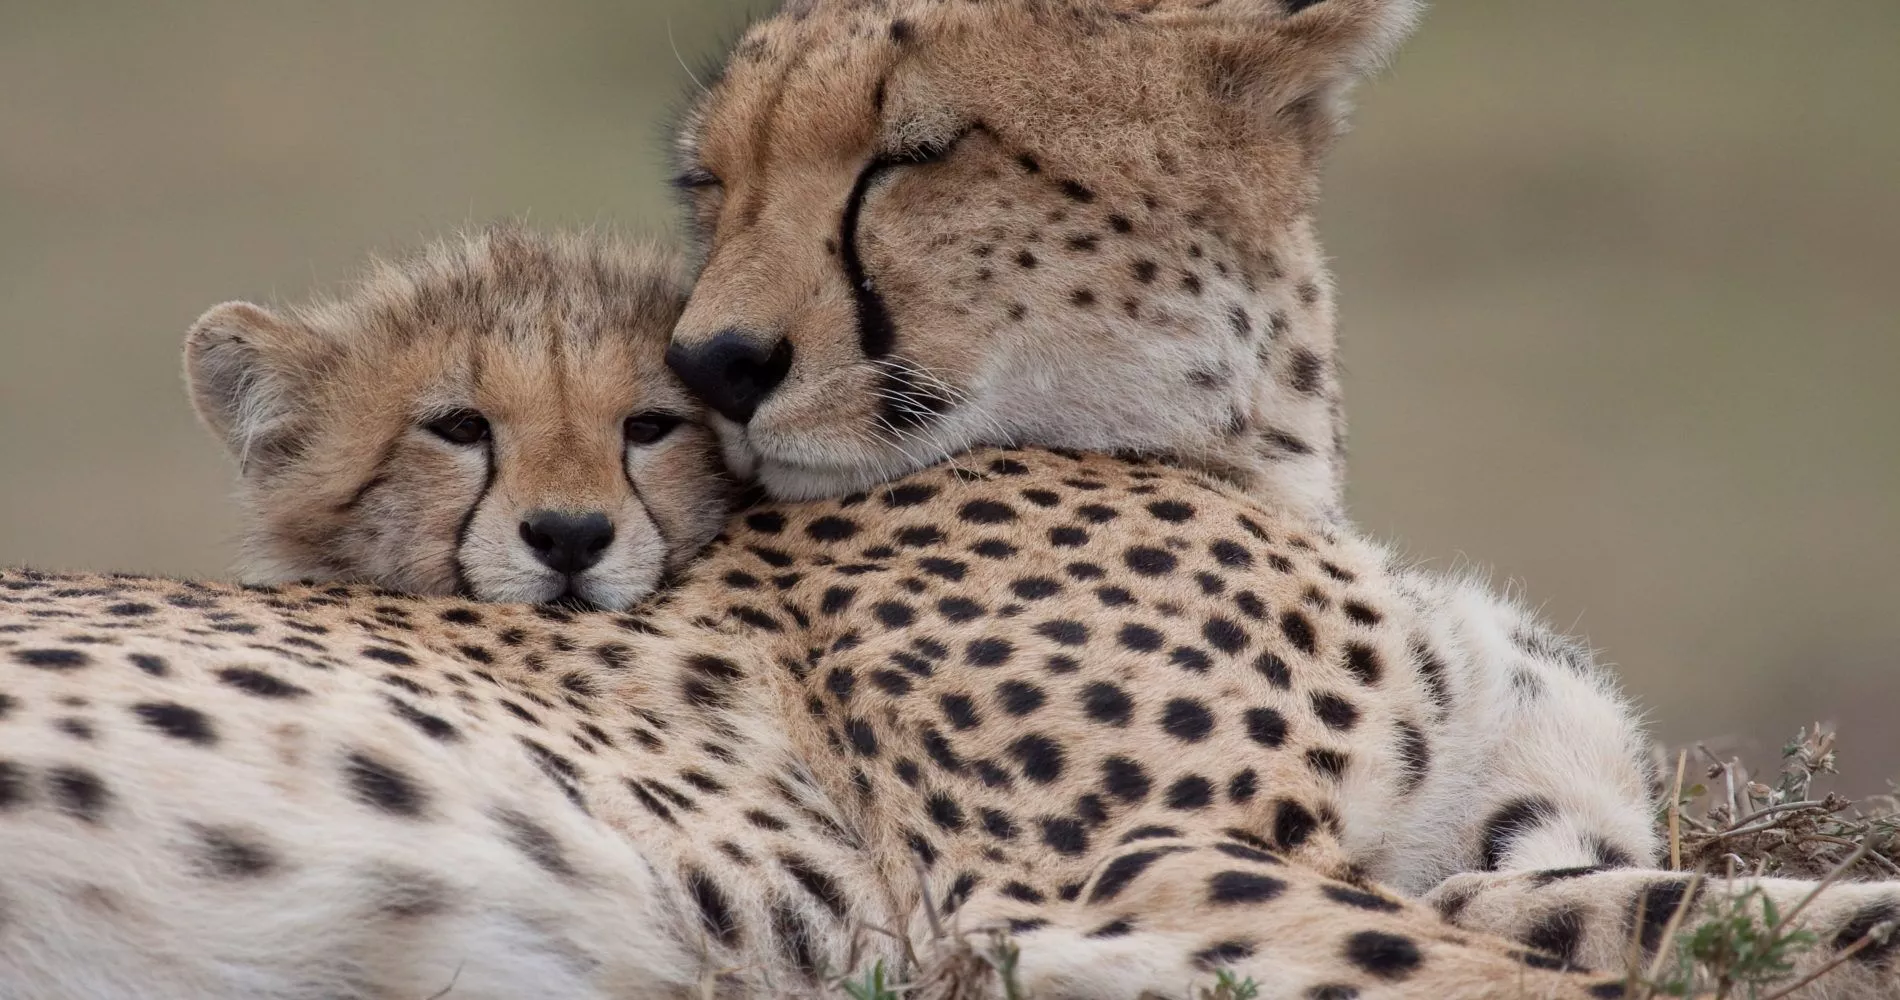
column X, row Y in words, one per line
column 649, row 428
column 462, row 427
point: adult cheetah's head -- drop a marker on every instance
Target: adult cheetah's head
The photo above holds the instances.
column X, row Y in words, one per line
column 491, row 416
column 930, row 225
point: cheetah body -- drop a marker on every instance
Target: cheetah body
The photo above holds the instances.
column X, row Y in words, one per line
column 1144, row 724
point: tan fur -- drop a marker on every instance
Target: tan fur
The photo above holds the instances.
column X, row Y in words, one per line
column 553, row 340
column 1116, row 252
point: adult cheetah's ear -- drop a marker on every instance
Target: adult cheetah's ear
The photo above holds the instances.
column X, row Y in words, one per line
column 1298, row 59
column 243, row 367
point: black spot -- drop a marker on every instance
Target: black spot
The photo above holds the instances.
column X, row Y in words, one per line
column 1415, row 755
column 1107, row 703
column 1274, row 670
column 461, row 616
column 831, row 528
column 150, row 664
column 177, row 721
column 1150, row 561
column 1245, row 852
column 51, row 659
column 1190, row 659
column 1040, row 758
column 989, row 652
column 1336, row 712
column 863, row 738
column 1187, row 720
column 715, row 912
column 1225, row 635
column 1064, row 835
column 823, row 887
column 1064, row 632
column 1360, row 899
column 1306, row 371
column 986, row 512
column 259, row 683
column 1298, row 631
column 1232, row 555
column 1242, row 787
column 78, row 793
column 920, row 536
column 766, row 522
column 945, row 812
column 222, row 853
column 1870, row 916
column 395, row 657
column 1559, row 933
column 381, row 786
column 1266, row 727
column 1191, row 792
column 432, row 726
column 1022, row 893
column 13, row 785
column 1549, row 875
column 1328, row 991
column 1117, row 874
column 1652, row 909
column 1074, row 191
column 960, row 609
column 1119, row 927
column 909, row 495
column 1139, row 638
column 1019, row 697
column 892, row 614
column 1387, row 956
column 536, row 842
column 1360, row 614
column 1231, row 888
column 1364, row 663
column 1292, row 824
column 1328, row 762
column 960, row 710
column 1171, row 511
column 1125, row 779
column 1510, row 821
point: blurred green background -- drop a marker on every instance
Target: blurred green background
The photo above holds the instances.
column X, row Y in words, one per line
column 1620, row 284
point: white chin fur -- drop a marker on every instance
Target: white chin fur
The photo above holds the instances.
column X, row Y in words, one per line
column 834, row 475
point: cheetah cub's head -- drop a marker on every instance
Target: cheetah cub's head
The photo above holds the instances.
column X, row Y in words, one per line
column 490, row 417
column 925, row 226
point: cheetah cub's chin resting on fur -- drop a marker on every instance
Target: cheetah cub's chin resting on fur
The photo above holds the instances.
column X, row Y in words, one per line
column 489, row 417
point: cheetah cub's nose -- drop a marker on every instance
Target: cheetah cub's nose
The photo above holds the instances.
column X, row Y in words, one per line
column 734, row 371
column 567, row 542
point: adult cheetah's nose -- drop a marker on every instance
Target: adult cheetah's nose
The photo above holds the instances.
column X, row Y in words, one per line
column 567, row 542
column 733, row 371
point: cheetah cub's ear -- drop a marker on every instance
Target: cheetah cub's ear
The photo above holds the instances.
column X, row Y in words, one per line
column 1295, row 60
column 244, row 367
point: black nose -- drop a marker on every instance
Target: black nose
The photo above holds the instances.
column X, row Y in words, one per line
column 733, row 372
column 567, row 542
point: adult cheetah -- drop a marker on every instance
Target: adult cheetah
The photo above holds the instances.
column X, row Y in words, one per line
column 924, row 226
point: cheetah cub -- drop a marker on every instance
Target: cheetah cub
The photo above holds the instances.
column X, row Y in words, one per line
column 490, row 417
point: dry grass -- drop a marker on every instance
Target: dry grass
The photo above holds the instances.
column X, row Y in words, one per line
column 1781, row 822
